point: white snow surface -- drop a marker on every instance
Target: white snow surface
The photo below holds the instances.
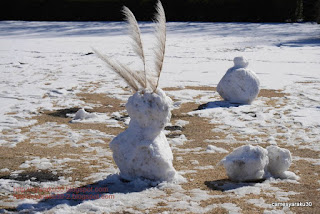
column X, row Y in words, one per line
column 239, row 85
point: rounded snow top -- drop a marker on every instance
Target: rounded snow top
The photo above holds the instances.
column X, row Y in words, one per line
column 240, row 62
column 149, row 110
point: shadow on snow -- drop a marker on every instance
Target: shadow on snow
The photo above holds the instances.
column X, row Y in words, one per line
column 226, row 185
column 217, row 104
column 36, row 29
column 313, row 42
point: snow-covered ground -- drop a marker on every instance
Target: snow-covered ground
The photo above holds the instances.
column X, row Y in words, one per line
column 44, row 66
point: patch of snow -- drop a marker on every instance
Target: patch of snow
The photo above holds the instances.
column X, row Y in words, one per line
column 194, row 162
column 204, row 167
column 245, row 190
column 4, row 170
column 196, row 150
column 308, row 116
column 181, row 123
column 178, row 141
column 24, row 165
column 53, row 134
column 214, row 149
column 232, row 208
column 260, row 202
column 39, row 163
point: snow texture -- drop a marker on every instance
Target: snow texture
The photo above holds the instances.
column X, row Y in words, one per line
column 142, row 150
column 246, row 163
column 239, row 85
column 250, row 163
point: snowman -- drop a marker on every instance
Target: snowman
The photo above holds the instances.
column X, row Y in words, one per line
column 239, row 85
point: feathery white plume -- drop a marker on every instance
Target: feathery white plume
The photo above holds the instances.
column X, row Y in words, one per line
column 140, row 79
column 136, row 37
column 159, row 50
column 121, row 70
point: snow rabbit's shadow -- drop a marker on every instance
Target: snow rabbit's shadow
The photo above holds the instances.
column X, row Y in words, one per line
column 218, row 104
column 226, row 184
column 103, row 189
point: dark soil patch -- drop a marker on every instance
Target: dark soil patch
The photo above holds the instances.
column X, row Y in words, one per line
column 38, row 176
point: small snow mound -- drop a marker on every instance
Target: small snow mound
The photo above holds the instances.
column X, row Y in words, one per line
column 246, row 163
column 279, row 162
column 240, row 62
column 83, row 115
column 239, row 85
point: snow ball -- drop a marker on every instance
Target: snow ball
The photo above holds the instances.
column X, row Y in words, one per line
column 246, row 163
column 279, row 160
column 82, row 115
column 239, row 85
column 240, row 62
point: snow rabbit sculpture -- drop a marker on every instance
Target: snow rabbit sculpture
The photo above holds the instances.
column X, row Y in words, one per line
column 142, row 150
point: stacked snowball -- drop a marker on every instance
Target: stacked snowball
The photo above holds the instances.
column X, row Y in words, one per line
column 239, row 85
column 142, row 150
column 250, row 163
